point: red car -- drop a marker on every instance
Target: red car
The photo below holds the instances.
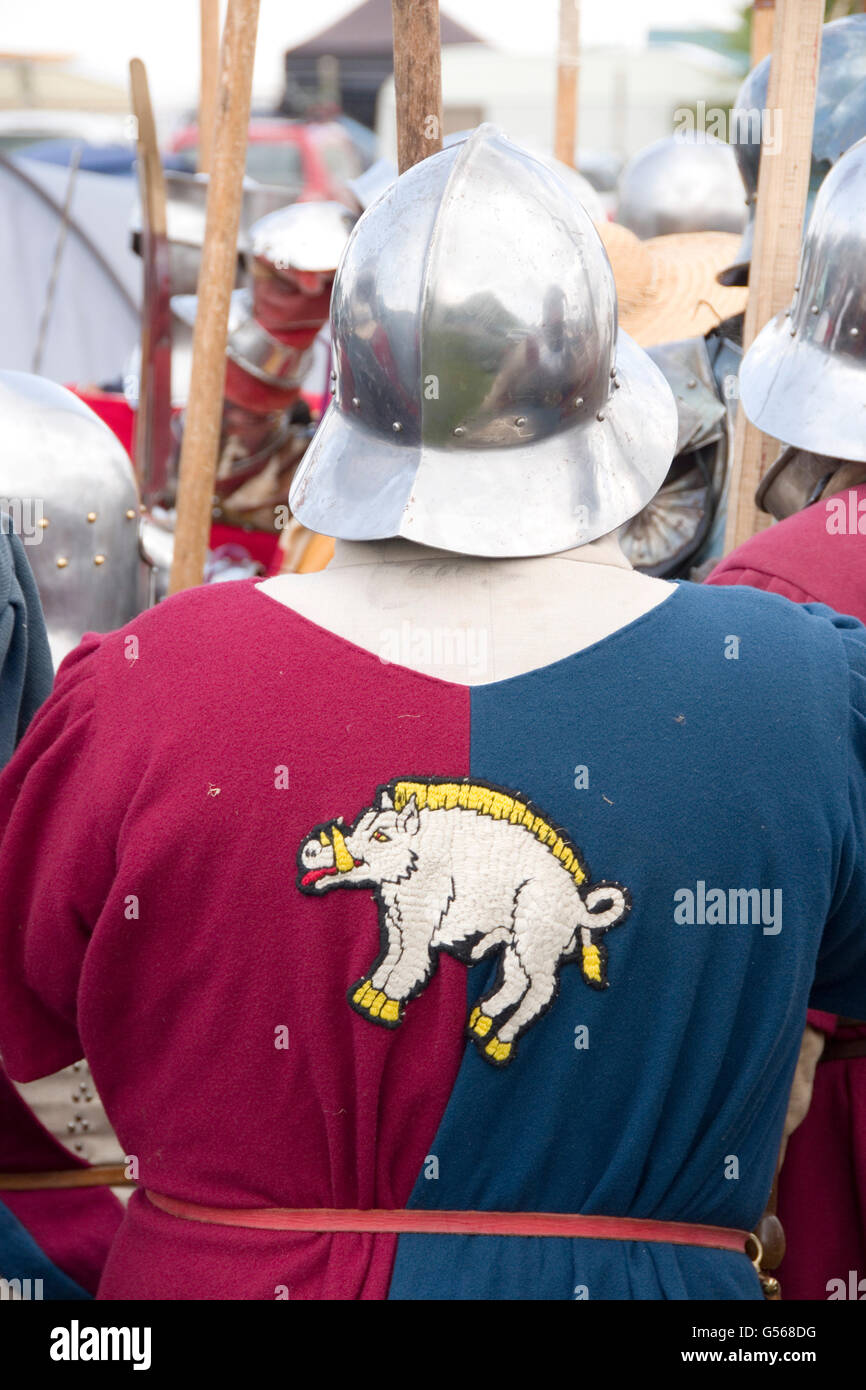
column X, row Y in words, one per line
column 314, row 159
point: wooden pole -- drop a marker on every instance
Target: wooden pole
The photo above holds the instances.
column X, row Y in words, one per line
column 97, row 1175
column 153, row 439
column 216, row 280
column 417, row 80
column 565, row 137
column 783, row 184
column 147, row 147
column 210, row 58
column 763, row 18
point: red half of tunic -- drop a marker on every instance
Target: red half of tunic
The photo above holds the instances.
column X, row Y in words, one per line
column 150, row 760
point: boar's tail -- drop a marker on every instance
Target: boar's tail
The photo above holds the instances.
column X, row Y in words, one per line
column 603, row 905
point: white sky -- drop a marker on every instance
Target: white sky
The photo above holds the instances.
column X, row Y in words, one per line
column 105, row 34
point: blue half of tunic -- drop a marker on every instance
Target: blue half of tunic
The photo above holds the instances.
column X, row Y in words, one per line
column 716, row 744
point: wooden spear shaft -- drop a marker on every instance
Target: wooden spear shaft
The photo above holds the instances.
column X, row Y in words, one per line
column 203, row 421
column 565, row 139
column 153, row 441
column 417, row 80
column 763, row 18
column 783, row 185
column 210, row 58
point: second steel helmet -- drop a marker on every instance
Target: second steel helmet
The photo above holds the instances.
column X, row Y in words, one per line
column 840, row 120
column 803, row 380
column 68, row 484
column 482, row 402
column 682, row 183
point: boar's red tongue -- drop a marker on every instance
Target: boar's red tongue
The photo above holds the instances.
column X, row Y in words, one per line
column 343, row 860
column 315, row 874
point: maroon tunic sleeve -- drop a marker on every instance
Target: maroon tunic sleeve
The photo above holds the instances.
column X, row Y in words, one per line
column 55, row 868
column 726, row 573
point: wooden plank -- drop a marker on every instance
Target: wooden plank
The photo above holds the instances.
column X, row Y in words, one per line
column 203, row 422
column 568, row 66
column 783, row 184
column 417, row 80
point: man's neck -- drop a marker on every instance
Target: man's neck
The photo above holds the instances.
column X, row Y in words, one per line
column 604, row 551
column 466, row 619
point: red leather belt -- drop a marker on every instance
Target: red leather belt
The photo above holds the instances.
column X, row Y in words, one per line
column 464, row 1223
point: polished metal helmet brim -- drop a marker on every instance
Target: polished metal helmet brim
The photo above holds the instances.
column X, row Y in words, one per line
column 480, row 402
column 562, row 491
column 802, row 380
column 802, row 393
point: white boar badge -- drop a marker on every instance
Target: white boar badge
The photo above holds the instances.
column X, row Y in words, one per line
column 467, row 867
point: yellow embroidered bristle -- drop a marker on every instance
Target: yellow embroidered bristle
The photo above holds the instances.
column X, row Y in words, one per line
column 488, row 801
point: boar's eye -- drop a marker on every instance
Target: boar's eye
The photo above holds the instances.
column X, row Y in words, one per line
column 380, row 835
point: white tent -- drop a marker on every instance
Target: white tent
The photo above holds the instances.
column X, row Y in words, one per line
column 94, row 317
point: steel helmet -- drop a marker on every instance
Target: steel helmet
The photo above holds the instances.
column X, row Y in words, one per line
column 482, row 402
column 373, row 182
column 840, row 120
column 303, row 236
column 574, row 181
column 682, row 183
column 802, row 380
column 68, row 484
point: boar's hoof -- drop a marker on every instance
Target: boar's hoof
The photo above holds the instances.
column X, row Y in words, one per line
column 376, row 1005
column 479, row 1023
column 497, row 1052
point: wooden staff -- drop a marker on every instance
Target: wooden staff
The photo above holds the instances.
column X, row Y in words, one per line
column 100, row 1175
column 565, row 139
column 201, row 435
column 783, row 185
column 210, row 58
column 417, row 80
column 763, row 19
column 153, row 440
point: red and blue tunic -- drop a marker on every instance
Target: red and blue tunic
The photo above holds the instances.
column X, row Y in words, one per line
column 332, row 933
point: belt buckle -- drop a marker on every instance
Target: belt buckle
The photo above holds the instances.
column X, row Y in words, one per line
column 770, row 1286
